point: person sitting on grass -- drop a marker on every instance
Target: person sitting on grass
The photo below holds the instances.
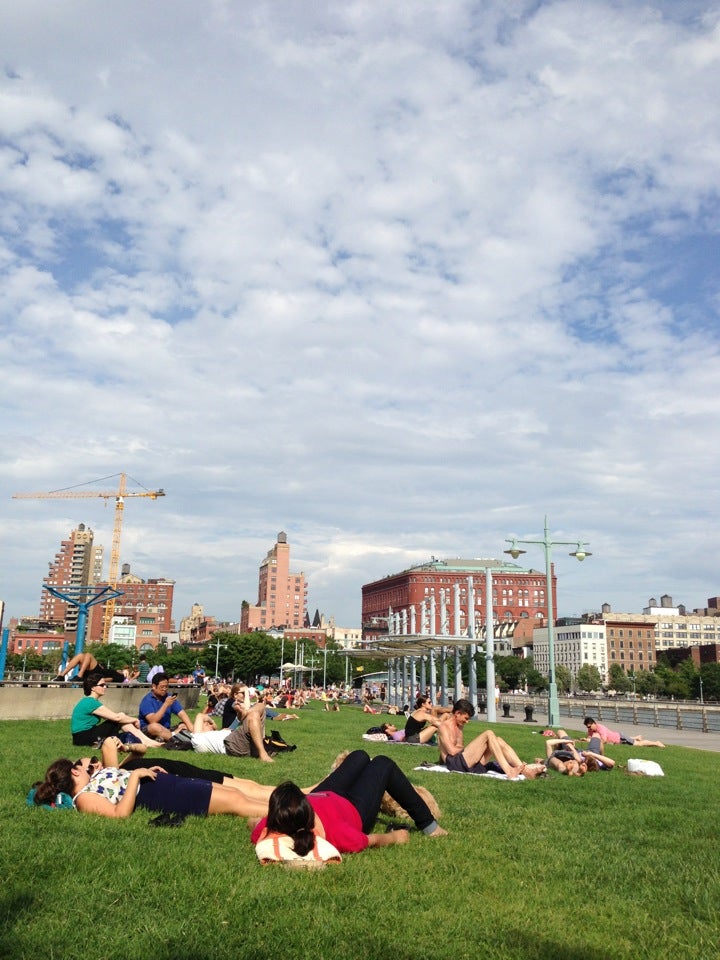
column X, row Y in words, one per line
column 157, row 708
column 92, row 721
column 423, row 723
column 487, row 753
column 344, row 806
column 116, row 792
column 606, row 735
column 246, row 740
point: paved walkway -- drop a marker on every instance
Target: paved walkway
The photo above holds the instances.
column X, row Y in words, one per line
column 668, row 735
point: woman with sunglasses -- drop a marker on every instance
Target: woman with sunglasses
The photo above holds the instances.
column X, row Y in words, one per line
column 422, row 724
column 116, row 792
column 92, row 721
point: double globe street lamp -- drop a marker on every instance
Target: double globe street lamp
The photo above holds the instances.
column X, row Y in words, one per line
column 579, row 553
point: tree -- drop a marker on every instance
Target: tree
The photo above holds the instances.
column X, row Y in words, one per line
column 111, row 655
column 535, row 680
column 588, row 678
column 672, row 683
column 511, row 670
column 250, row 655
column 617, row 680
column 180, row 660
column 563, row 678
column 646, row 683
column 710, row 673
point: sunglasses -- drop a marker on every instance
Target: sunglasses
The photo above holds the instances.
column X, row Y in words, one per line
column 89, row 769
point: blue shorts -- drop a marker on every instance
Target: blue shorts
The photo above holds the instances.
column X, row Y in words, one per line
column 169, row 794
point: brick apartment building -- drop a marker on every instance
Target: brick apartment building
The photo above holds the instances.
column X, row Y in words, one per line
column 77, row 565
column 282, row 595
column 519, row 598
column 146, row 603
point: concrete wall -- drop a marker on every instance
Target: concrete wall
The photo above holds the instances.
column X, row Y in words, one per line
column 20, row 701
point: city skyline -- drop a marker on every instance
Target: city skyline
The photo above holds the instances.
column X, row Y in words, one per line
column 398, row 279
column 660, row 600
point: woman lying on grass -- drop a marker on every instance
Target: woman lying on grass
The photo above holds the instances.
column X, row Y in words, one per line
column 109, row 790
column 344, row 806
column 564, row 757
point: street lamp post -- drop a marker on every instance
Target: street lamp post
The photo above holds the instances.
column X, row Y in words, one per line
column 217, row 646
column 312, row 661
column 579, row 553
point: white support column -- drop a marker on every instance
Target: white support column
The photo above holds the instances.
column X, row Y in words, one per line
column 472, row 670
column 489, row 648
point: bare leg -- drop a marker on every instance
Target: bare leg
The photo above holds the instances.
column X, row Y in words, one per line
column 481, row 749
column 158, row 730
column 256, row 728
column 225, row 800
column 136, row 732
column 426, row 734
column 640, row 741
column 250, row 789
column 203, row 723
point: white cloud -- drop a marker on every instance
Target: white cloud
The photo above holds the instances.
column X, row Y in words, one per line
column 390, row 278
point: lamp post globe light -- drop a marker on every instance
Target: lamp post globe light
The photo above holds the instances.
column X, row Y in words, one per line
column 579, row 553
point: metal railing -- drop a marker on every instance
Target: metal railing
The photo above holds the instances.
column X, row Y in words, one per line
column 686, row 715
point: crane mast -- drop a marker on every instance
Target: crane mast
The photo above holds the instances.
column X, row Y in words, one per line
column 119, row 496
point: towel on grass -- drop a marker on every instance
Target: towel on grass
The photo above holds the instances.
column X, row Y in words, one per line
column 441, row 768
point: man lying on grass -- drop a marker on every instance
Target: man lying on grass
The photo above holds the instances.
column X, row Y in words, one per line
column 487, row 753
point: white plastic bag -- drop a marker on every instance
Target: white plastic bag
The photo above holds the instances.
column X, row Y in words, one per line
column 648, row 768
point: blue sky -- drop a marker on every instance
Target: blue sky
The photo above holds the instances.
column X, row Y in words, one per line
column 398, row 279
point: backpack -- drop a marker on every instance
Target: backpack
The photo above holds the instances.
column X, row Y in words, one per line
column 276, row 744
column 182, row 740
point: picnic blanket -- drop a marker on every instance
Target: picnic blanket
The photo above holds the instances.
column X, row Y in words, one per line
column 441, row 768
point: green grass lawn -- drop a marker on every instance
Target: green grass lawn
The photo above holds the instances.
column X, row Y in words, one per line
column 605, row 867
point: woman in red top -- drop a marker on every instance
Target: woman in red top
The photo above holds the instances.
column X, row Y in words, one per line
column 344, row 806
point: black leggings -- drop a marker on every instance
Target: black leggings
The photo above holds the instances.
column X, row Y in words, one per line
column 363, row 782
column 178, row 768
column 88, row 738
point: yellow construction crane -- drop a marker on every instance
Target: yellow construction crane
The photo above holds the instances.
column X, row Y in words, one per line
column 119, row 496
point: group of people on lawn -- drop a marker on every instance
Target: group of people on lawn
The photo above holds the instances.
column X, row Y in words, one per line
column 316, row 824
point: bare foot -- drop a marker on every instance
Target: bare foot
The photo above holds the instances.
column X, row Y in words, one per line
column 267, row 759
column 533, row 770
column 437, row 832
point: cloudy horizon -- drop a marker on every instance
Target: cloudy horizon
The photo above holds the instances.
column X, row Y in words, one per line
column 396, row 279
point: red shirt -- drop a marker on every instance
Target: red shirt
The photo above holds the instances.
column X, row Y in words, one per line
column 342, row 823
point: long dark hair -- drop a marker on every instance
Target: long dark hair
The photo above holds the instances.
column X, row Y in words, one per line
column 289, row 812
column 58, row 779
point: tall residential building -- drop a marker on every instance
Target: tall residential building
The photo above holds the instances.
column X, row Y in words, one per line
column 282, row 595
column 78, row 563
column 432, row 598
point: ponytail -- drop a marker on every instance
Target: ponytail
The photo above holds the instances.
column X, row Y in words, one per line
column 289, row 812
